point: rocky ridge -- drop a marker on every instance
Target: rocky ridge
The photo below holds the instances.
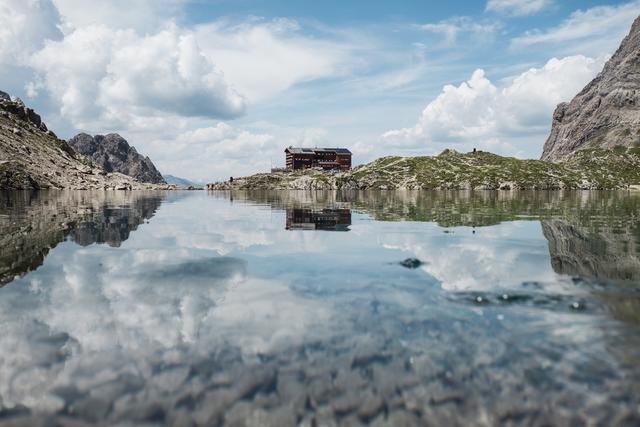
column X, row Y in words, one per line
column 114, row 154
column 451, row 170
column 33, row 157
column 606, row 113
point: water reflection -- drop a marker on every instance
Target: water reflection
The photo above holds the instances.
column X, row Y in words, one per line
column 521, row 312
column 33, row 223
column 331, row 219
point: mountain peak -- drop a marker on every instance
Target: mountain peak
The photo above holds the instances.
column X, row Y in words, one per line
column 606, row 113
column 114, row 154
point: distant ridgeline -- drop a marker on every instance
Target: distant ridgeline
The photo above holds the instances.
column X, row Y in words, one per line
column 181, row 182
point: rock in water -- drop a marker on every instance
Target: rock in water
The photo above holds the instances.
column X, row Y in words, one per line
column 411, row 263
column 606, row 113
column 114, row 154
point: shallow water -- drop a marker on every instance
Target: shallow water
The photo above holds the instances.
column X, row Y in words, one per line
column 285, row 308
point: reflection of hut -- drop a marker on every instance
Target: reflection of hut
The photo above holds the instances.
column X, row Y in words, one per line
column 325, row 219
column 325, row 158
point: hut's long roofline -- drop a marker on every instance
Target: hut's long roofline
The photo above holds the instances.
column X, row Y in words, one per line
column 304, row 150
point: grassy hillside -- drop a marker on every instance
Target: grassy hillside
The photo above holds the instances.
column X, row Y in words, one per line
column 588, row 169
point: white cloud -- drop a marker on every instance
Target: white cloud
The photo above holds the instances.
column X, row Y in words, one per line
column 450, row 29
column 517, row 7
column 458, row 112
column 600, row 28
column 215, row 152
column 24, row 27
column 483, row 263
column 104, row 77
column 264, row 58
column 141, row 15
column 480, row 113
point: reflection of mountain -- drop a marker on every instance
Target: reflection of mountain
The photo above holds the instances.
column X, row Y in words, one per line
column 112, row 225
column 322, row 219
column 604, row 255
column 33, row 223
column 610, row 256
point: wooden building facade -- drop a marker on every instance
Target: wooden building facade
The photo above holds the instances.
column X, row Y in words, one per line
column 325, row 158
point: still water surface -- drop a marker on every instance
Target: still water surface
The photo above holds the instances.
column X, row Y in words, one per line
column 285, row 308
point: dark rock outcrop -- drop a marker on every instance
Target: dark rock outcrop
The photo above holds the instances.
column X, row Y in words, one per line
column 606, row 113
column 114, row 154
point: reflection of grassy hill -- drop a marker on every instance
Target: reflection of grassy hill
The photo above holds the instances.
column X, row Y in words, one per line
column 592, row 209
column 591, row 234
column 587, row 169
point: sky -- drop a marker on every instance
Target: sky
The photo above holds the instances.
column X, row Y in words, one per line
column 215, row 88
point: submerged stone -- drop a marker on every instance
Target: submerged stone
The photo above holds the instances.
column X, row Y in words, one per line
column 411, row 263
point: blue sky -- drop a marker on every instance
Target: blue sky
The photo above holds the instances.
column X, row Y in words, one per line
column 215, row 88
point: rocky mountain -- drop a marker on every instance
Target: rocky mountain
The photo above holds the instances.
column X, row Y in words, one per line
column 33, row 157
column 606, row 113
column 114, row 154
column 589, row 169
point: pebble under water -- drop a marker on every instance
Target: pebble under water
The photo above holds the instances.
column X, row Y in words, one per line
column 320, row 309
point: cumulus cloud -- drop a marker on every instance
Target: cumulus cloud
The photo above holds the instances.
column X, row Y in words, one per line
column 216, row 152
column 478, row 111
column 517, row 7
column 103, row 76
column 599, row 28
column 263, row 58
column 24, row 27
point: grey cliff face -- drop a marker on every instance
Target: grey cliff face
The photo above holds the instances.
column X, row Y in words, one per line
column 114, row 154
column 606, row 113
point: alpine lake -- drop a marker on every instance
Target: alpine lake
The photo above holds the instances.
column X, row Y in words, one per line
column 319, row 308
